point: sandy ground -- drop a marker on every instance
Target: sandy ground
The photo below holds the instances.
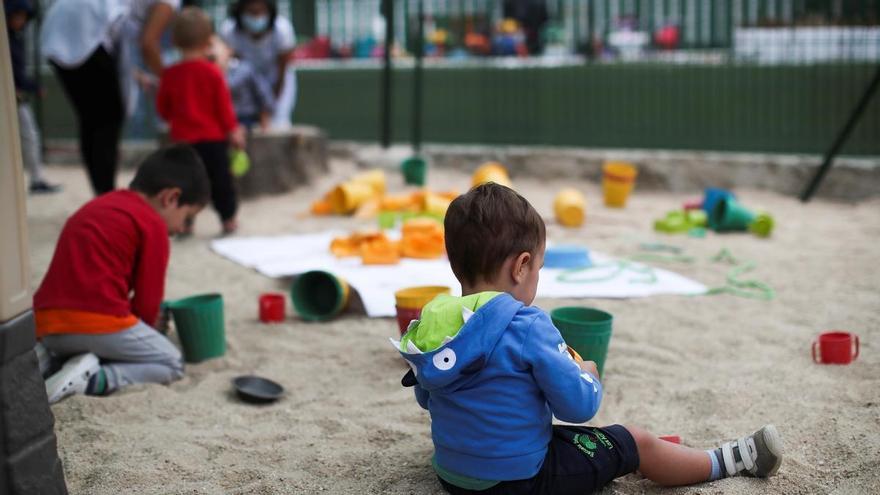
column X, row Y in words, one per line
column 706, row 368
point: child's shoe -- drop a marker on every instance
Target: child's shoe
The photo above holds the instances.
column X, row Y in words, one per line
column 759, row 454
column 73, row 378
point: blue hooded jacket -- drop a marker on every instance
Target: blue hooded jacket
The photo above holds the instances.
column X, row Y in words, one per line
column 493, row 388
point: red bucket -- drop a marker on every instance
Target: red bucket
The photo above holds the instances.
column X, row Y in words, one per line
column 836, row 348
column 272, row 308
column 405, row 316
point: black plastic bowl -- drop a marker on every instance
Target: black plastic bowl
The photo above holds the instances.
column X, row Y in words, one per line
column 256, row 389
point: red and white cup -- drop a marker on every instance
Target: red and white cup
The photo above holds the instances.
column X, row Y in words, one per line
column 836, row 347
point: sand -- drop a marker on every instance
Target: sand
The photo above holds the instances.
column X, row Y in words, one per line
column 706, row 368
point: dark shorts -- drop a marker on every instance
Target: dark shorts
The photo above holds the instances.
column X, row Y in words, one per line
column 579, row 460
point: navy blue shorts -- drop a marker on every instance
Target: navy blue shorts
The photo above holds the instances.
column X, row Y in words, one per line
column 579, row 460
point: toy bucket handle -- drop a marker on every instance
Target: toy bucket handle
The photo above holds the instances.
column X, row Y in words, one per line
column 815, row 343
column 856, row 338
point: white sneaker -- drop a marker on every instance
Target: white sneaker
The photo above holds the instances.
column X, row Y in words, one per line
column 73, row 377
column 759, row 454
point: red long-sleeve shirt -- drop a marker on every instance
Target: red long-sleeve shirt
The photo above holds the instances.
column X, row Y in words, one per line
column 195, row 100
column 113, row 246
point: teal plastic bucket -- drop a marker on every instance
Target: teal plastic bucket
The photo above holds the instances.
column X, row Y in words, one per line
column 415, row 170
column 586, row 330
column 200, row 326
column 318, row 295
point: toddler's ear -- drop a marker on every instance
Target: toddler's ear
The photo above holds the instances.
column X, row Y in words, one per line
column 520, row 265
column 171, row 196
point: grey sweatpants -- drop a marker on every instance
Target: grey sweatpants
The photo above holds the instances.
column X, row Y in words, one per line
column 138, row 354
column 30, row 142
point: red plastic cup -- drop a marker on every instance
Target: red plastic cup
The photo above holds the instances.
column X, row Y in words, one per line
column 271, row 307
column 405, row 316
column 836, row 348
column 671, row 438
column 694, row 204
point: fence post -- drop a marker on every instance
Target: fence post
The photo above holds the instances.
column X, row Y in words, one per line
column 385, row 110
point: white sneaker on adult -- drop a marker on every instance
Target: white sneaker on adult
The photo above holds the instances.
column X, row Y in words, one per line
column 73, row 377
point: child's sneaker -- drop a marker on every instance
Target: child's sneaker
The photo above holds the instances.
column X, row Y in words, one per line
column 73, row 377
column 759, row 454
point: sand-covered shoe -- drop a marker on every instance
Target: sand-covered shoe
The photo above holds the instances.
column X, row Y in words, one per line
column 73, row 377
column 758, row 454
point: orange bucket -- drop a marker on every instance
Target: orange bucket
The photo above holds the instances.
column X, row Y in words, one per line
column 618, row 180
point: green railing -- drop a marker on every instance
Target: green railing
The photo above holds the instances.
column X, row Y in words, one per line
column 769, row 82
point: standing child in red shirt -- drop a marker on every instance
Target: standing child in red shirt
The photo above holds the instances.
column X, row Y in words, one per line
column 194, row 99
column 100, row 298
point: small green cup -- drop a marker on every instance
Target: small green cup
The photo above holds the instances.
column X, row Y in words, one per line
column 318, row 295
column 586, row 330
column 414, row 170
column 730, row 215
column 200, row 326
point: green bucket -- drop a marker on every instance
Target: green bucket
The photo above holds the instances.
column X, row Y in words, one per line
column 318, row 295
column 414, row 170
column 729, row 215
column 586, row 330
column 200, row 326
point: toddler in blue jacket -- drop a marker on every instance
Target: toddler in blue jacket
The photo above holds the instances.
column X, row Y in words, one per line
column 493, row 371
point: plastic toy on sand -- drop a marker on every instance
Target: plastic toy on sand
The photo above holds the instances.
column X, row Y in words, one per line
column 318, row 295
column 410, row 301
column 570, row 207
column 271, row 307
column 200, row 326
column 618, row 180
column 836, row 348
column 586, row 330
column 257, row 389
column 729, row 215
column 491, row 172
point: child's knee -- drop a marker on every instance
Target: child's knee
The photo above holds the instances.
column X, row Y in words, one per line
column 642, row 437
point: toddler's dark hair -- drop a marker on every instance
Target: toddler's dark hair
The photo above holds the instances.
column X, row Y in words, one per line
column 485, row 227
column 191, row 28
column 174, row 166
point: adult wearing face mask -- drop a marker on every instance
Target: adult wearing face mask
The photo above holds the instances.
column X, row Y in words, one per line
column 258, row 34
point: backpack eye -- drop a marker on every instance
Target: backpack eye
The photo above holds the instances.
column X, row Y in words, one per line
column 444, row 360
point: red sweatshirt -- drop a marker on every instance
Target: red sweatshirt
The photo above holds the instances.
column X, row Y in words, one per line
column 114, row 245
column 194, row 99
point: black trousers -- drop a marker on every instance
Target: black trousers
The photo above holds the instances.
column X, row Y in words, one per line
column 579, row 460
column 93, row 89
column 215, row 154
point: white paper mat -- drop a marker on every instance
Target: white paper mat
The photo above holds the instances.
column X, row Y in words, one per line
column 290, row 255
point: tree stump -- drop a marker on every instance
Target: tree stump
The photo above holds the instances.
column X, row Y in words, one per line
column 283, row 160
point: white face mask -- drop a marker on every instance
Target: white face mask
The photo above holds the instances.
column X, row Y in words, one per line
column 255, row 24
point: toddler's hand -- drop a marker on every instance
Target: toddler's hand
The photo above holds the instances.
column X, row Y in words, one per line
column 237, row 138
column 589, row 367
column 265, row 120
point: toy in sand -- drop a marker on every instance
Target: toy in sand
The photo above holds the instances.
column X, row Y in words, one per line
column 421, row 238
column 349, row 196
column 491, row 172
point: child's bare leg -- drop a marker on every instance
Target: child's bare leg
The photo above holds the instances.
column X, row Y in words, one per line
column 667, row 463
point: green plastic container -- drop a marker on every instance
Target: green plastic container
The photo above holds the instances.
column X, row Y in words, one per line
column 762, row 226
column 318, row 295
column 730, row 215
column 200, row 326
column 414, row 169
column 586, row 330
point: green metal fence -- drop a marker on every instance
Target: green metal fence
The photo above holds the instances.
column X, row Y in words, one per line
column 757, row 75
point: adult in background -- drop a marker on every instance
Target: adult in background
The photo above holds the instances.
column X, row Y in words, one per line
column 90, row 45
column 532, row 15
column 259, row 35
column 18, row 14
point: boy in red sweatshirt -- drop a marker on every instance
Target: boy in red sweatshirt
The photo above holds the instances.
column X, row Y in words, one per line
column 100, row 298
column 195, row 100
